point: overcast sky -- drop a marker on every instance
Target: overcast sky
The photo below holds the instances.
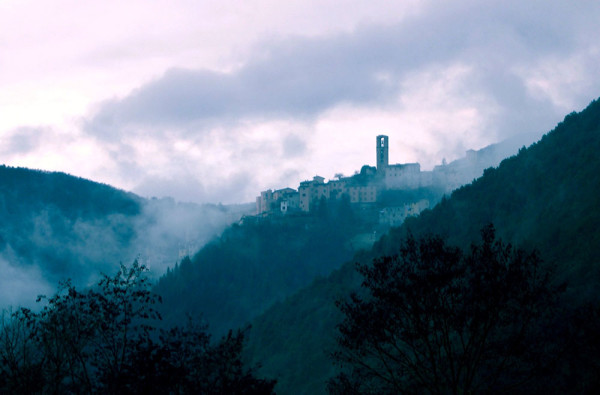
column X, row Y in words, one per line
column 213, row 101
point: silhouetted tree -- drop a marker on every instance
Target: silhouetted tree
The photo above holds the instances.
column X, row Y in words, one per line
column 20, row 359
column 436, row 320
column 105, row 339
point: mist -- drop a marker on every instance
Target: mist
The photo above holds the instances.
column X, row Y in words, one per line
column 20, row 284
column 49, row 245
column 168, row 230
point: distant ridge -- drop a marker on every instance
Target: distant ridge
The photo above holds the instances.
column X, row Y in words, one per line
column 43, row 216
column 54, row 227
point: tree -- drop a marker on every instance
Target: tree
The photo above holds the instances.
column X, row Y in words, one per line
column 106, row 339
column 434, row 319
column 20, row 359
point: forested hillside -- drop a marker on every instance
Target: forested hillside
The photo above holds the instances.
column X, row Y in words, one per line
column 252, row 265
column 546, row 197
column 62, row 224
column 54, row 226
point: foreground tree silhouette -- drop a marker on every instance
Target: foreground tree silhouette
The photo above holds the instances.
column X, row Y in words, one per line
column 106, row 340
column 436, row 320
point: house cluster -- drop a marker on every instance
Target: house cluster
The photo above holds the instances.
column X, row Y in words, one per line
column 365, row 188
column 395, row 215
column 310, row 192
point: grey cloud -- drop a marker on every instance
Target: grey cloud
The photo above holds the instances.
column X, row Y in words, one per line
column 270, row 89
column 232, row 189
column 302, row 77
column 293, row 146
column 181, row 188
column 22, row 140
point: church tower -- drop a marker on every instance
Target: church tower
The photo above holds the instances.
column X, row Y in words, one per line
column 382, row 153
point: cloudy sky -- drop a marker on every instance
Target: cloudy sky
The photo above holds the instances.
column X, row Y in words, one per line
column 213, row 101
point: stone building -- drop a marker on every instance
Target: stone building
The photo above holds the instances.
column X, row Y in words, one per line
column 403, row 176
column 362, row 188
column 395, row 216
column 312, row 191
column 279, row 201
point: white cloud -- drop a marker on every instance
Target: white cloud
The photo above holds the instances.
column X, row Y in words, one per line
column 216, row 100
column 564, row 80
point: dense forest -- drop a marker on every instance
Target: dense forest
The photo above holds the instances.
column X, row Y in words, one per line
column 544, row 198
column 254, row 264
column 60, row 222
column 439, row 319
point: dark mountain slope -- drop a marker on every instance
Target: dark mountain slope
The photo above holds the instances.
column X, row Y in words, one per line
column 251, row 266
column 61, row 223
column 54, row 226
column 547, row 196
column 73, row 196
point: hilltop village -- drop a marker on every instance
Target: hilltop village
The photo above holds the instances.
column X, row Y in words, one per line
column 375, row 190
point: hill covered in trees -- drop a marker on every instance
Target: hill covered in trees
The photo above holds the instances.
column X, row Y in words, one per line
column 54, row 226
column 545, row 197
column 256, row 263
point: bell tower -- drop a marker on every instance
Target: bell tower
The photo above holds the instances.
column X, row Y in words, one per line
column 382, row 153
